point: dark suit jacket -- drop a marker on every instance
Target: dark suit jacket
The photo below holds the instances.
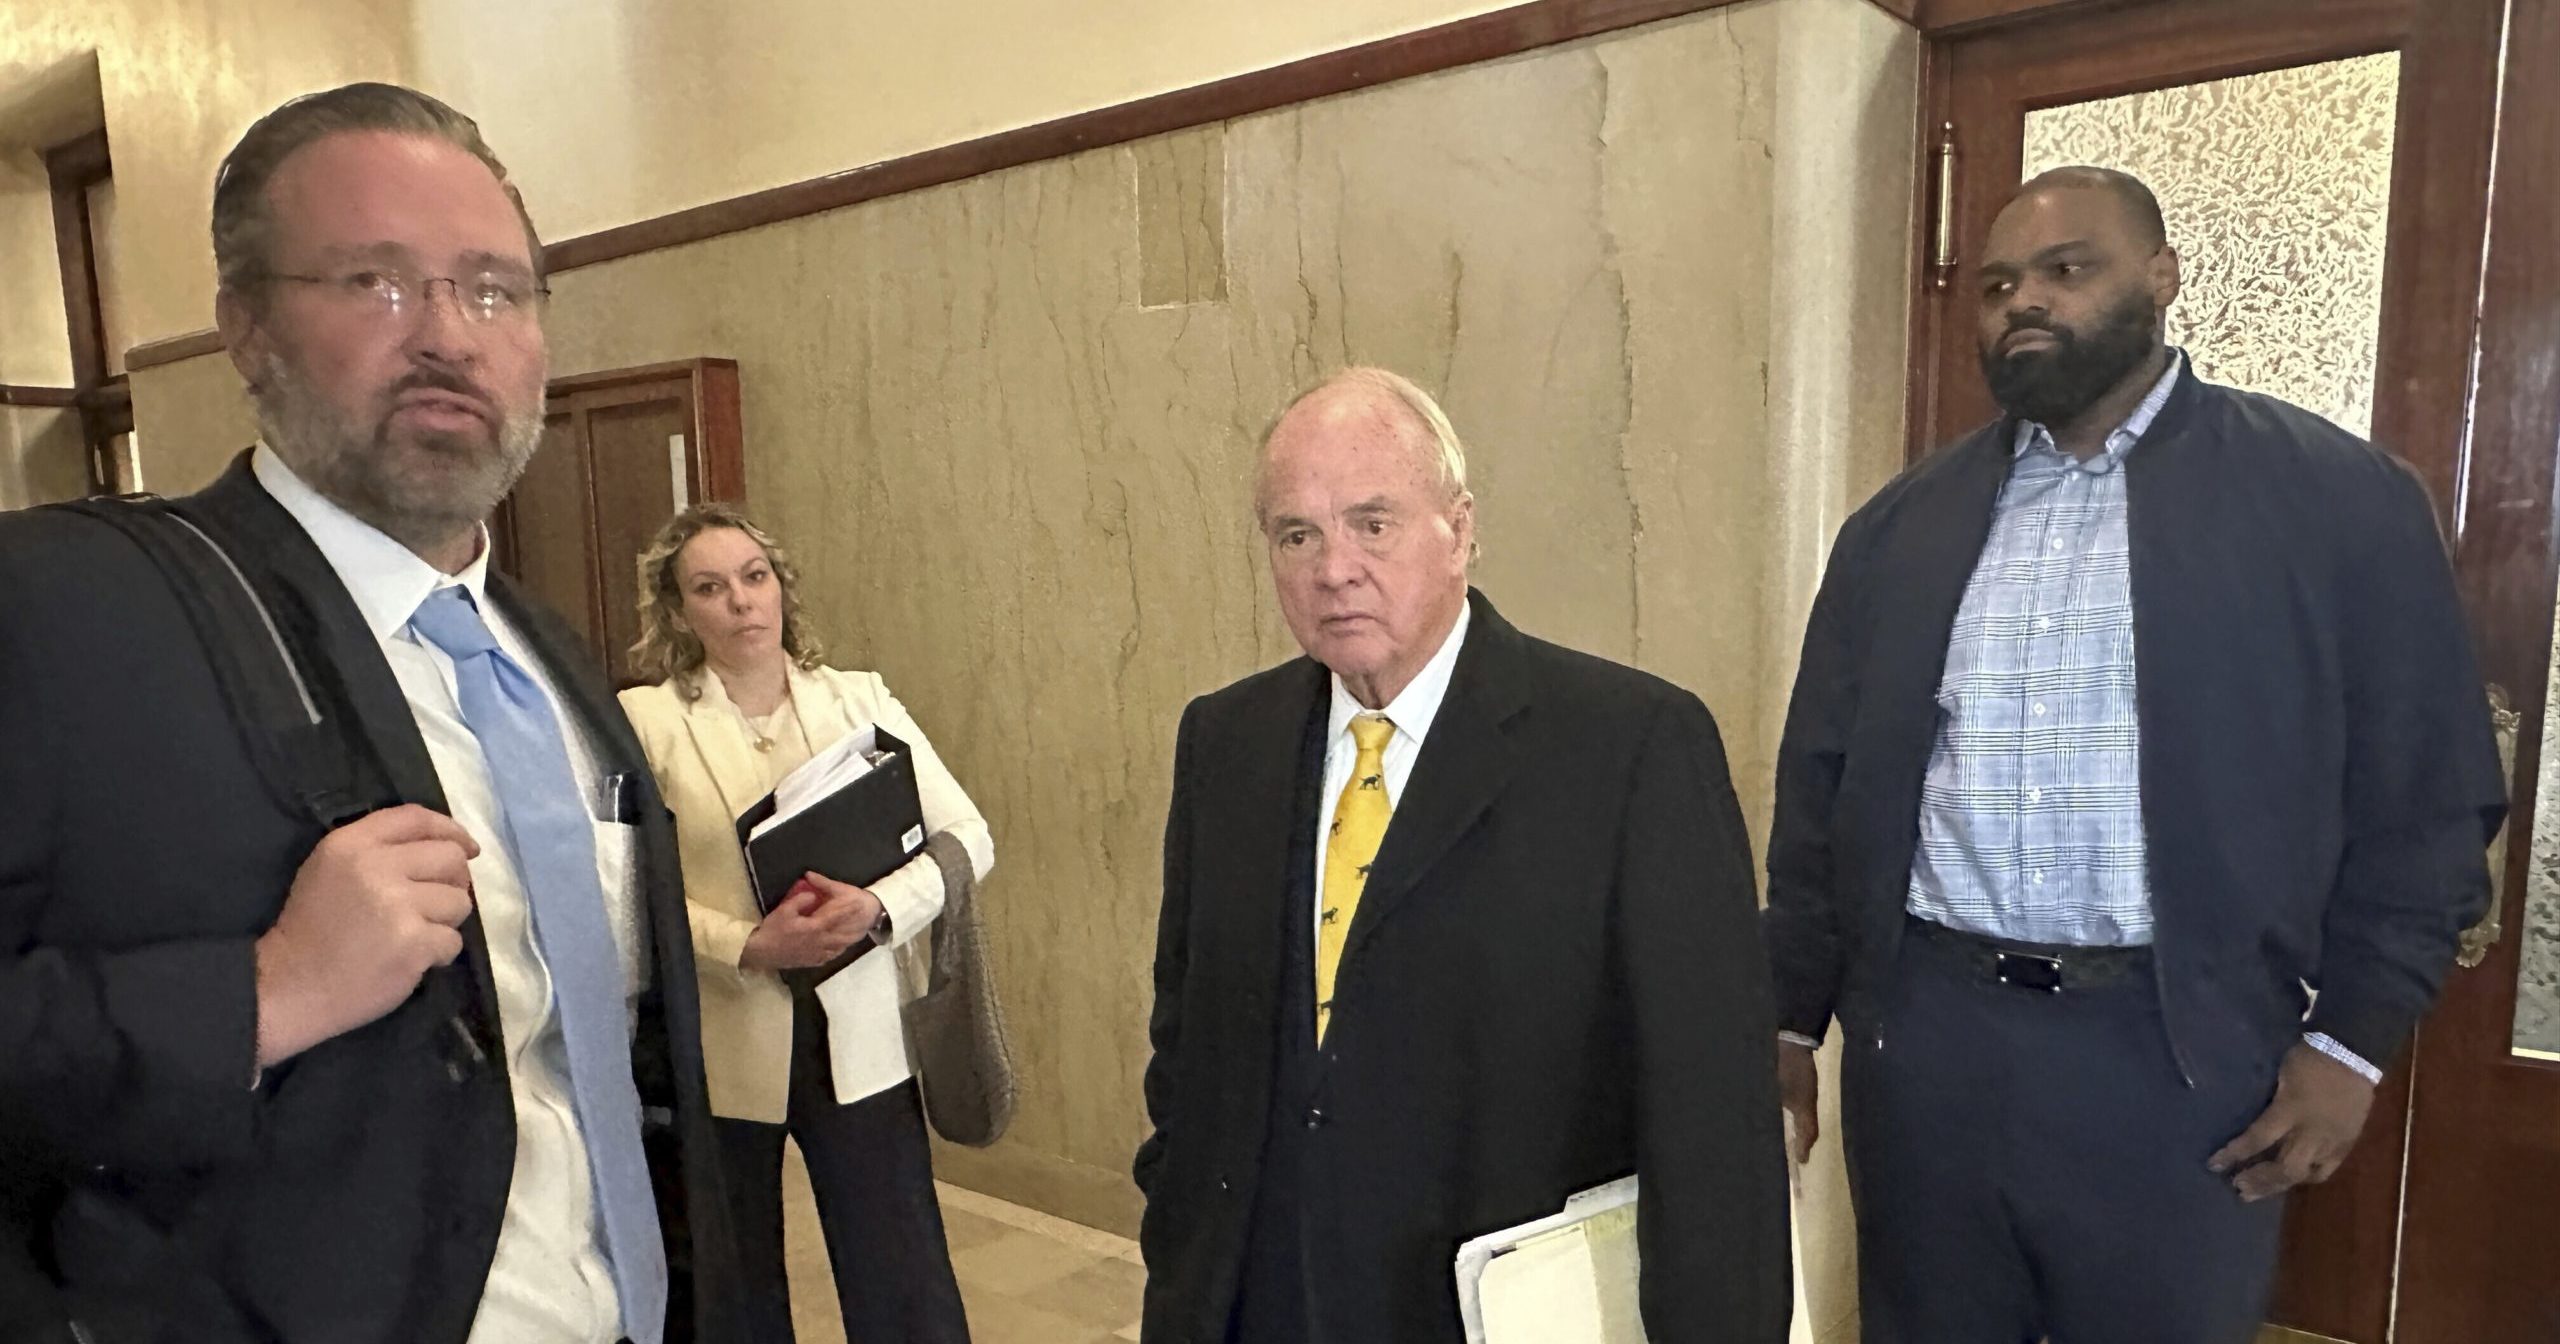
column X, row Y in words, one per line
column 1551, row 981
column 2319, row 776
column 354, row 1195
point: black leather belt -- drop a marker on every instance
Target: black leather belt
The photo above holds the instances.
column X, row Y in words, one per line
column 2040, row 967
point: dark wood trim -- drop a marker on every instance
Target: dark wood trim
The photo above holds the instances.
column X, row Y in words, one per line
column 53, row 397
column 171, row 349
column 1949, row 18
column 78, row 259
column 1906, row 10
column 1485, row 37
column 578, row 384
column 719, row 433
column 82, row 161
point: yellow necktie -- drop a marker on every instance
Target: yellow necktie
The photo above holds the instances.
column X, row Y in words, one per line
column 1359, row 826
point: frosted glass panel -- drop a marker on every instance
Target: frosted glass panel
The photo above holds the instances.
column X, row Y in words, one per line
column 2277, row 189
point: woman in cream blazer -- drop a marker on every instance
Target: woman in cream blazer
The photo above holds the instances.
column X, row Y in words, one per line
column 742, row 699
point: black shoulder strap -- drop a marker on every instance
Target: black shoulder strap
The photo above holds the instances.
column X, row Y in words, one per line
column 303, row 756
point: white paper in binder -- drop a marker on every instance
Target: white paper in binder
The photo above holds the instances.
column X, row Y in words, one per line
column 1569, row 1278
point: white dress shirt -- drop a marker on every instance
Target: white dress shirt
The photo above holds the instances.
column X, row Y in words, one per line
column 550, row 1279
column 1411, row 712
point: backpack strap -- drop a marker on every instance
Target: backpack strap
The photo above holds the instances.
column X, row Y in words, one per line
column 304, row 757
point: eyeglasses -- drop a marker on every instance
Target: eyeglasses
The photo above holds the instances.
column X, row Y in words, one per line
column 392, row 294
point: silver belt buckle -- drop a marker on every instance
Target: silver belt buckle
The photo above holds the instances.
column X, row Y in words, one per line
column 2026, row 970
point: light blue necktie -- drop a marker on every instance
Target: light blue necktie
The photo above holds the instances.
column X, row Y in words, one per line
column 549, row 833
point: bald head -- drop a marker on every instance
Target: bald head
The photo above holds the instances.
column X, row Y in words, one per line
column 1362, row 497
column 1382, row 409
column 2140, row 209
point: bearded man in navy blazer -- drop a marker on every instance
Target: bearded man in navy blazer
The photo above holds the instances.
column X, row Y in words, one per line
column 2122, row 723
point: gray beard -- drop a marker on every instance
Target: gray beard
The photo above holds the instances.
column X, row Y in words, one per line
column 422, row 491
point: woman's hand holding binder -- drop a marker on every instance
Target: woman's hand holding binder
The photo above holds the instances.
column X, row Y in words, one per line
column 814, row 925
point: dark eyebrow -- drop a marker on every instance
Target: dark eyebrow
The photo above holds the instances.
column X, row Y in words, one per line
column 2057, row 252
column 493, row 263
column 391, row 254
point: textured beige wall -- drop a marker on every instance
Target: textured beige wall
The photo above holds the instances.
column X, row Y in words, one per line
column 676, row 104
column 35, row 343
column 179, row 80
column 1007, row 425
column 190, row 419
column 42, row 457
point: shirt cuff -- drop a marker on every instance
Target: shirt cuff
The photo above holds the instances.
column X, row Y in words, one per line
column 1799, row 1038
column 2325, row 1044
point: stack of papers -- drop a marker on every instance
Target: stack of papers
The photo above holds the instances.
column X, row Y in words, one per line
column 1566, row 1279
column 848, row 760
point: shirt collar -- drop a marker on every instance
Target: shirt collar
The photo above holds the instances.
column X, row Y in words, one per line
column 386, row 579
column 2032, row 436
column 1418, row 703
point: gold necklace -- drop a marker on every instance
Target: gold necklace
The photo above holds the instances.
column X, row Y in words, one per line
column 764, row 741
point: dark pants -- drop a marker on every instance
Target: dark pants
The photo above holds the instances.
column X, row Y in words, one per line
column 2029, row 1165
column 872, row 1171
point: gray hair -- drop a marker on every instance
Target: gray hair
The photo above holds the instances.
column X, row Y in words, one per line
column 241, row 220
column 1449, row 456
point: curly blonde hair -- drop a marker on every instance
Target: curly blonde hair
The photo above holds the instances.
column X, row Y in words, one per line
column 668, row 650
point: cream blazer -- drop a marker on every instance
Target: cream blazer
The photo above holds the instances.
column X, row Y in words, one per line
column 710, row 773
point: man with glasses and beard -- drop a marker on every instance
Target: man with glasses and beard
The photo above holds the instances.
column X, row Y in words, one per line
column 415, row 1056
column 2124, row 726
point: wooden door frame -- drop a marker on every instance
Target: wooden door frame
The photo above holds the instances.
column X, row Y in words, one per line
column 2496, row 505
column 2446, row 109
column 716, row 467
column 2508, row 563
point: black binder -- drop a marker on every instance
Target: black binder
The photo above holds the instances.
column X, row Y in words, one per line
column 860, row 834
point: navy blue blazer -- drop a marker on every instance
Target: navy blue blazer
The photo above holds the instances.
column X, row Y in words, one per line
column 2319, row 773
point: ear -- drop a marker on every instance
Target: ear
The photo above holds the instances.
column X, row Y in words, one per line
column 242, row 337
column 1462, row 522
column 2167, row 276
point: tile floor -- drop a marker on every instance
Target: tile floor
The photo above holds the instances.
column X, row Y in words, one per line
column 1027, row 1278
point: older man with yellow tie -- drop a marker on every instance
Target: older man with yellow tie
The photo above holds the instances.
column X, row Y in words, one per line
column 1457, row 923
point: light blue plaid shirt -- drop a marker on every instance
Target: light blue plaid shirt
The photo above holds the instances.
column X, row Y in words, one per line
column 2031, row 811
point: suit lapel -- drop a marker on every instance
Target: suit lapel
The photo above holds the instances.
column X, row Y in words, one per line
column 827, row 717
column 1467, row 760
column 1265, row 779
column 1923, row 564
column 320, row 621
column 711, row 721
column 571, row 667
column 323, row 622
column 1928, row 562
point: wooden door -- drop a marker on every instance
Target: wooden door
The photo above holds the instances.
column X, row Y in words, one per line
column 2393, row 347
column 2481, row 1230
column 621, row 452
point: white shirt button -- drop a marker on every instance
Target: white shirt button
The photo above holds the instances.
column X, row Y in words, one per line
column 2039, row 711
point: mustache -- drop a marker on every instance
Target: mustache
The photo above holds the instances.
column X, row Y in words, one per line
column 442, row 380
column 2030, row 322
